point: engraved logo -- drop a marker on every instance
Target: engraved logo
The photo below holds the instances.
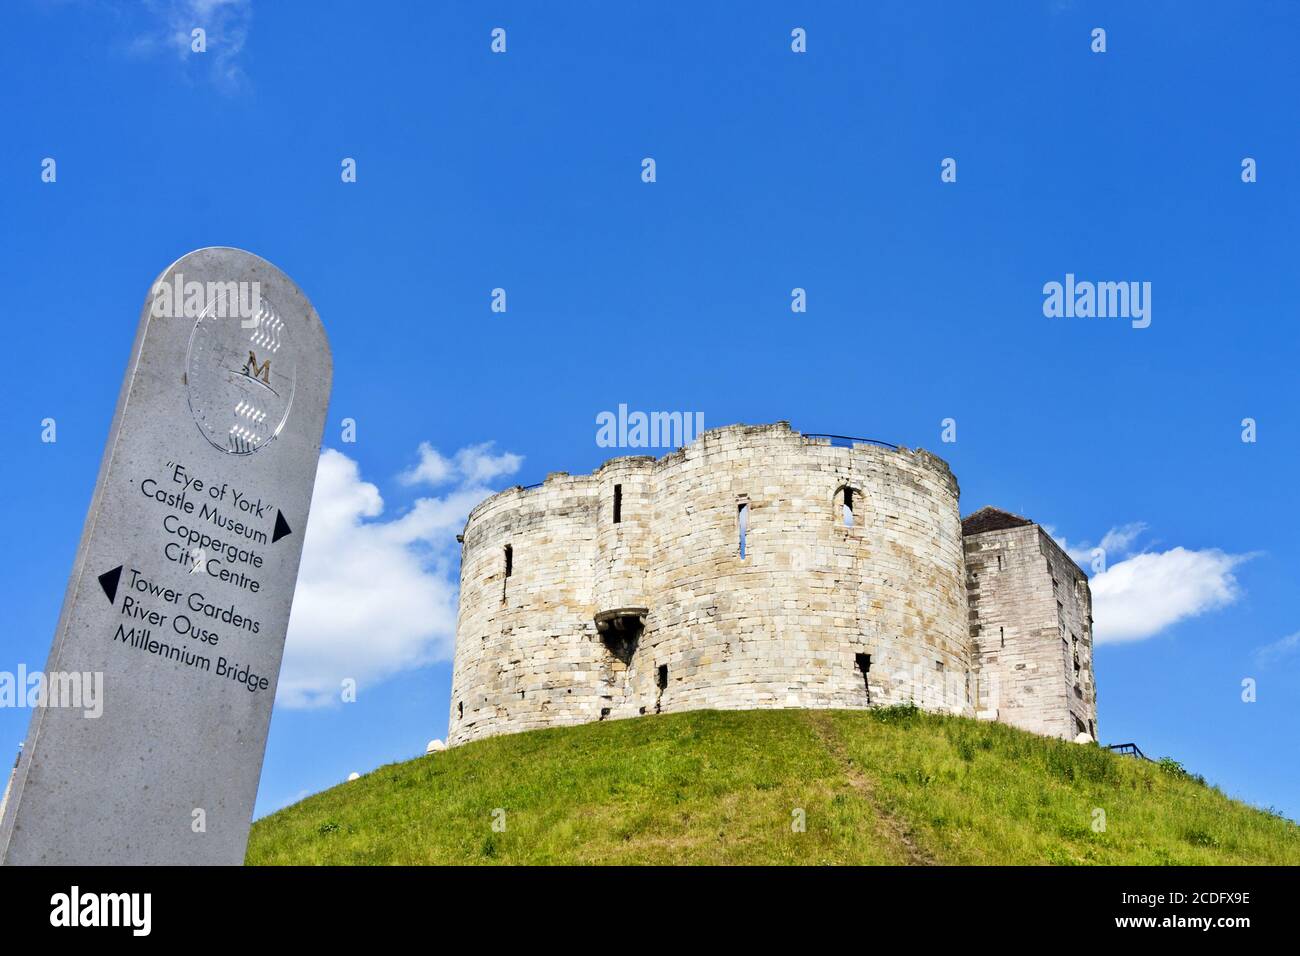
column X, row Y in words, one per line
column 262, row 371
column 240, row 377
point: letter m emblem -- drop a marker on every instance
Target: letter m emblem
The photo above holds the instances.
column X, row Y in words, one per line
column 262, row 371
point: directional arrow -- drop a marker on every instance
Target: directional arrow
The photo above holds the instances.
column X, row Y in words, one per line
column 108, row 581
column 281, row 527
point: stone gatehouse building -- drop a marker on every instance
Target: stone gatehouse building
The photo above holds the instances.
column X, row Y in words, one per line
column 757, row 568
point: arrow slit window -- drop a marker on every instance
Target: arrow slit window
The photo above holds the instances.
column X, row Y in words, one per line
column 508, row 555
column 742, row 521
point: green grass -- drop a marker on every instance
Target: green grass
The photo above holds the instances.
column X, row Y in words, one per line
column 883, row 786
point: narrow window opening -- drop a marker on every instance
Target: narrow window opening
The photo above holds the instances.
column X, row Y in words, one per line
column 460, row 710
column 999, row 562
column 845, row 505
column 1002, row 633
column 618, row 504
column 661, row 682
column 509, row 555
column 742, row 516
column 863, row 664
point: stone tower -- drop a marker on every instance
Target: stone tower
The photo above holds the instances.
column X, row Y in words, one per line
column 754, row 568
column 1031, row 627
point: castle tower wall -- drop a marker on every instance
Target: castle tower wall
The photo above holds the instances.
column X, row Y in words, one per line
column 1031, row 632
column 816, row 613
column 624, row 487
column 525, row 655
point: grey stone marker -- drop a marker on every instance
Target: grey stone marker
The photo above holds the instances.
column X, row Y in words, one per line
column 182, row 585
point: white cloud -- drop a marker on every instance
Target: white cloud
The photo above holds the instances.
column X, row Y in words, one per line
column 1120, row 540
column 1136, row 596
column 225, row 22
column 475, row 465
column 1278, row 649
column 1140, row 596
column 1115, row 543
column 375, row 597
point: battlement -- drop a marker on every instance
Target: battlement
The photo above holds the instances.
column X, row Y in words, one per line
column 714, row 439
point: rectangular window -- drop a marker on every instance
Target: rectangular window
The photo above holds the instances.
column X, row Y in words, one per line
column 848, row 507
column 1002, row 633
column 661, row 679
column 510, row 560
column 742, row 517
column 618, row 503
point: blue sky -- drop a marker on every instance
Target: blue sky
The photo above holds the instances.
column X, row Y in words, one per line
column 774, row 170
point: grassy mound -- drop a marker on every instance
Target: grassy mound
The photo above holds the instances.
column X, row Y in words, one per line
column 883, row 786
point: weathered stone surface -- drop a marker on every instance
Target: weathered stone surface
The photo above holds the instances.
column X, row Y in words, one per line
column 568, row 615
column 217, row 430
column 781, row 627
column 1031, row 629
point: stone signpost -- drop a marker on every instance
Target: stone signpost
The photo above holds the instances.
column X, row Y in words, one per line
column 148, row 745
